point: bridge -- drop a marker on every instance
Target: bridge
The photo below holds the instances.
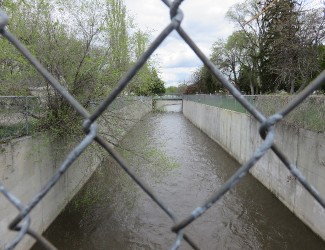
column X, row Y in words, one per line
column 159, row 102
column 178, row 97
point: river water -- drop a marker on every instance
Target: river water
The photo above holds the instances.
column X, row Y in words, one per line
column 184, row 167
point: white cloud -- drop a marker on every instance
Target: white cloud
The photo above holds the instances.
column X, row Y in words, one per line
column 204, row 21
column 174, row 76
column 175, row 53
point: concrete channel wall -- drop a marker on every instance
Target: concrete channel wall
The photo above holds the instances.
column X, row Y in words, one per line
column 238, row 134
column 27, row 163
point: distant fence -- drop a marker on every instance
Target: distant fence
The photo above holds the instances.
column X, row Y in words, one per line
column 21, row 115
column 310, row 114
column 122, row 101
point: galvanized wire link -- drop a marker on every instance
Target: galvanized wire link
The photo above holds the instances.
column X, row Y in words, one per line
column 142, row 185
column 3, row 20
column 26, row 222
column 233, row 180
column 131, row 73
column 74, row 154
column 36, row 64
column 21, row 223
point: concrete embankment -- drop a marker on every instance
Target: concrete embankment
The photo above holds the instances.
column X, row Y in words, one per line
column 26, row 165
column 238, row 134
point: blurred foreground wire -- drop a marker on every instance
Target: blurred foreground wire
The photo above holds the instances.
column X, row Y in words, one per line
column 21, row 223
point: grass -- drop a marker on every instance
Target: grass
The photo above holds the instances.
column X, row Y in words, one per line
column 309, row 115
column 8, row 132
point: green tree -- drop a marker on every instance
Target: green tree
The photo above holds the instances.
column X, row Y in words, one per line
column 234, row 54
column 311, row 52
column 117, row 26
column 86, row 45
column 281, row 46
column 140, row 84
column 202, row 82
column 180, row 89
column 146, row 81
column 251, row 32
column 157, row 86
column 171, row 90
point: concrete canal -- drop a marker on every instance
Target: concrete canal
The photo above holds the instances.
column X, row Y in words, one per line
column 184, row 167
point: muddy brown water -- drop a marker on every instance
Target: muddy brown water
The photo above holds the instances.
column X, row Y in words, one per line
column 184, row 167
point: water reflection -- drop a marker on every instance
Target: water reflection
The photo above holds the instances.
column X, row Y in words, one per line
column 184, row 167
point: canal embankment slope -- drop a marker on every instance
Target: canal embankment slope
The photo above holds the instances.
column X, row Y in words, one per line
column 238, row 134
column 27, row 164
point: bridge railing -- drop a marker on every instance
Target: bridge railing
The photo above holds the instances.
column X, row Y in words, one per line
column 168, row 97
column 21, row 224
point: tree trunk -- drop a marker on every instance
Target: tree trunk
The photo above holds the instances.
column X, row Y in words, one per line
column 292, row 87
column 251, row 86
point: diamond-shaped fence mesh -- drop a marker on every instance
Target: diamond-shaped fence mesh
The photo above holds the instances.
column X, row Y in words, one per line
column 19, row 115
column 21, row 223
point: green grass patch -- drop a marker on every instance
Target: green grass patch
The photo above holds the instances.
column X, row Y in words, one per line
column 17, row 130
column 308, row 115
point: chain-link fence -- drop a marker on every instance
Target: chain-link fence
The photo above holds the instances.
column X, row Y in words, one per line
column 309, row 115
column 19, row 116
column 21, row 223
column 23, row 115
column 124, row 101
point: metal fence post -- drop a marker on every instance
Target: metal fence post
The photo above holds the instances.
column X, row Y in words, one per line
column 26, row 114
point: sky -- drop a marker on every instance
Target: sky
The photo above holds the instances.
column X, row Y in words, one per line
column 204, row 21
